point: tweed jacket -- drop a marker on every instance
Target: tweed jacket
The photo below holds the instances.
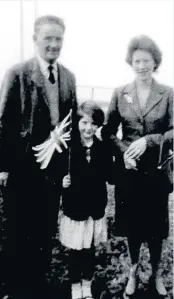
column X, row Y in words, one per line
column 24, row 112
column 156, row 119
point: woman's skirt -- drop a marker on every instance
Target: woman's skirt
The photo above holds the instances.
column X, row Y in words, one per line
column 81, row 234
column 141, row 206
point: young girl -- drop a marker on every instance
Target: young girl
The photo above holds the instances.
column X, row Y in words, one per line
column 85, row 197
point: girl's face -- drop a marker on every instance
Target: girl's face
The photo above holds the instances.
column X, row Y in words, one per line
column 87, row 127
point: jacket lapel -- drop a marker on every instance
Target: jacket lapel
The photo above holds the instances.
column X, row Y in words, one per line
column 154, row 98
column 130, row 94
column 62, row 85
column 38, row 78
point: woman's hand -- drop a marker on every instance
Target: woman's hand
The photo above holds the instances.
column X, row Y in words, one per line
column 136, row 149
column 129, row 163
column 66, row 181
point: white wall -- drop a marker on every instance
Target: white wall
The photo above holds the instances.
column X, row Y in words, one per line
column 96, row 37
column 9, row 34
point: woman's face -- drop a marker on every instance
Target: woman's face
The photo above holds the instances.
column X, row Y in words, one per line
column 87, row 127
column 143, row 64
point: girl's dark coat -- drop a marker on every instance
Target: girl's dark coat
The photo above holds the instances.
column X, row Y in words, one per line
column 87, row 195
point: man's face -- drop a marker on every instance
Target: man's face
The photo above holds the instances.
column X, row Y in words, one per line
column 49, row 41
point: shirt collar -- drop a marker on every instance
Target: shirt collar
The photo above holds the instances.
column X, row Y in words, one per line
column 85, row 145
column 44, row 64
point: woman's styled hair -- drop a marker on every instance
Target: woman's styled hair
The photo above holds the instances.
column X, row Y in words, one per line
column 93, row 110
column 143, row 42
column 48, row 19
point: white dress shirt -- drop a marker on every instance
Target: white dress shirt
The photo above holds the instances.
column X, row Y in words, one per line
column 44, row 67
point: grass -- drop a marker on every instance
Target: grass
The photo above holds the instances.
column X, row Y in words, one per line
column 112, row 261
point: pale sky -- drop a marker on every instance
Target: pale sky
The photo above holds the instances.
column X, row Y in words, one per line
column 96, row 37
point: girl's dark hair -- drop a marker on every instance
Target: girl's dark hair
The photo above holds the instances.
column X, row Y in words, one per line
column 93, row 110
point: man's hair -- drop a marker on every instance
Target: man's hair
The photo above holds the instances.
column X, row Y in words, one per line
column 48, row 19
column 93, row 110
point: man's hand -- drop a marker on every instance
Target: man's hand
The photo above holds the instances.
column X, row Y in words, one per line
column 136, row 149
column 3, row 178
column 66, row 181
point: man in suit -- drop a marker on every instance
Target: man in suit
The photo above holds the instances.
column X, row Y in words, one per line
column 35, row 97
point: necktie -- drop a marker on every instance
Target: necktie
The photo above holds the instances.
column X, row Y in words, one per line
column 51, row 75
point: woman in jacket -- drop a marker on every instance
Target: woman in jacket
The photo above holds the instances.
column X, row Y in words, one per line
column 144, row 110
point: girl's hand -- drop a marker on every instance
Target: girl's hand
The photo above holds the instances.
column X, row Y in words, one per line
column 66, row 181
column 136, row 149
column 3, row 178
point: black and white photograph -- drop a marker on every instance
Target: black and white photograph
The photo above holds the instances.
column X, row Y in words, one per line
column 86, row 149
